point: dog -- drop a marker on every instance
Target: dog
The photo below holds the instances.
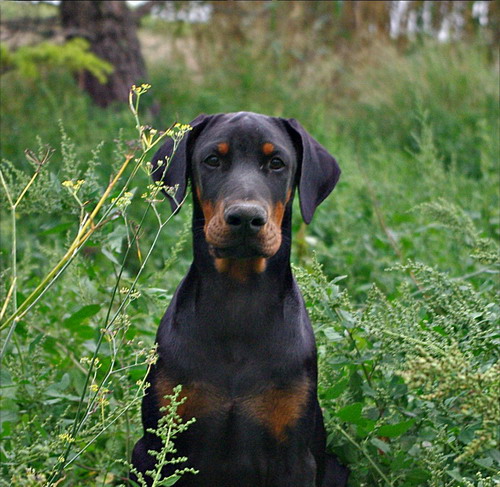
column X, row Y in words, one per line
column 236, row 334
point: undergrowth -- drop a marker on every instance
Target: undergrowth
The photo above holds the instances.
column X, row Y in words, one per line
column 73, row 364
column 410, row 384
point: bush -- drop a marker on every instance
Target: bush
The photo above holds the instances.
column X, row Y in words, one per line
column 73, row 366
column 73, row 56
column 409, row 385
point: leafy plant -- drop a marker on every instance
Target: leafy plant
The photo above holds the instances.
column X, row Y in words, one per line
column 410, row 384
column 73, row 55
column 169, row 426
column 58, row 415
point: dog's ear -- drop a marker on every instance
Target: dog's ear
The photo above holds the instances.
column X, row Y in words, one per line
column 172, row 170
column 319, row 171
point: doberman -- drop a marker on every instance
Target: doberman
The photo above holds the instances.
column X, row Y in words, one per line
column 236, row 334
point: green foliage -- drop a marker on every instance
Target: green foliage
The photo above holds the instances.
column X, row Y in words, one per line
column 388, row 87
column 36, row 11
column 453, row 218
column 73, row 366
column 169, row 426
column 72, row 56
column 410, row 384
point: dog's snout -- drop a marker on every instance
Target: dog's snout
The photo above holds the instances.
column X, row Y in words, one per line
column 245, row 217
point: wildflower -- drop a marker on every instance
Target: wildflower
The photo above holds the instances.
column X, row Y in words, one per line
column 73, row 187
column 171, row 190
column 66, row 437
column 123, row 201
column 139, row 90
column 135, row 295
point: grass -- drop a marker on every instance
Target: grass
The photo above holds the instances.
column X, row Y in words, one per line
column 399, row 267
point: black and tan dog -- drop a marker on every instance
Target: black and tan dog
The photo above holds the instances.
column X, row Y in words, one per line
column 236, row 334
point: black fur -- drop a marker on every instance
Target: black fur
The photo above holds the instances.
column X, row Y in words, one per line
column 236, row 334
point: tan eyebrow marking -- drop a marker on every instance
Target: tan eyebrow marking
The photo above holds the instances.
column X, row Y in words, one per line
column 267, row 148
column 223, row 148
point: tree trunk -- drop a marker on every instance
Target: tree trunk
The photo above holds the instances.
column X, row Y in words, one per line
column 111, row 29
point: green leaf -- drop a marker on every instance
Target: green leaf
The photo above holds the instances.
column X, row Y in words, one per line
column 332, row 335
column 381, row 445
column 455, row 474
column 170, row 480
column 418, row 476
column 393, row 430
column 485, row 462
column 467, row 434
column 336, row 390
column 35, row 342
column 351, row 413
column 10, row 410
column 7, row 386
column 110, row 256
column 495, row 454
column 81, row 315
column 364, row 427
column 62, row 227
column 348, row 319
column 115, row 239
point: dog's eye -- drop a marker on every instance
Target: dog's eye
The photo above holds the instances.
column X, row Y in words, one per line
column 212, row 161
column 276, row 163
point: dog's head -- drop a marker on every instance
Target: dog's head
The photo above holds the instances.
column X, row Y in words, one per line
column 244, row 168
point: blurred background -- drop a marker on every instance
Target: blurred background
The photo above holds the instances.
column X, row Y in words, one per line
column 405, row 94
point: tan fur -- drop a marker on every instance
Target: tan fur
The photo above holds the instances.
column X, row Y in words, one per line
column 223, row 148
column 241, row 269
column 276, row 408
column 268, row 148
column 201, row 399
column 279, row 409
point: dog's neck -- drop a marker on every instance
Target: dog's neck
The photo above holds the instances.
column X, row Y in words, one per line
column 219, row 302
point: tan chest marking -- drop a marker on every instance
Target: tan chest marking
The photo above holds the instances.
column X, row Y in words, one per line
column 277, row 409
column 202, row 399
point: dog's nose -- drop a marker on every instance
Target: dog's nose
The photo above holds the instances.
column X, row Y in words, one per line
column 245, row 217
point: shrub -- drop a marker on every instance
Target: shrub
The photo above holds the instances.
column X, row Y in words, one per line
column 409, row 385
column 73, row 56
column 73, row 366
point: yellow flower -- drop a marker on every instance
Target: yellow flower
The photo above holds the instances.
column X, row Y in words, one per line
column 66, row 437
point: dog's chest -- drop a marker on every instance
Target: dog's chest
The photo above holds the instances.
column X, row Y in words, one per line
column 245, row 371
column 277, row 409
column 236, row 384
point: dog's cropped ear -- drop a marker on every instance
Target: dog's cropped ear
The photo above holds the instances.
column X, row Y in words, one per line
column 319, row 171
column 172, row 170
